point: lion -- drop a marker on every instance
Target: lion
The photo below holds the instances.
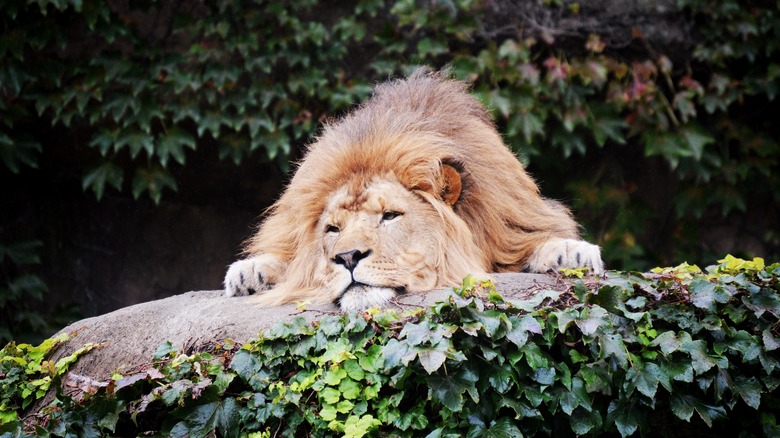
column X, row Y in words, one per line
column 412, row 191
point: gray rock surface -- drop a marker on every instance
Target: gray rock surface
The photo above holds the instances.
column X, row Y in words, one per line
column 132, row 334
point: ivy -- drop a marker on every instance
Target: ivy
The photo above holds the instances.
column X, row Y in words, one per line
column 20, row 292
column 27, row 374
column 149, row 95
column 254, row 79
column 628, row 354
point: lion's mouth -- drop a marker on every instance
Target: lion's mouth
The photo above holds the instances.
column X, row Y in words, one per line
column 357, row 286
column 362, row 295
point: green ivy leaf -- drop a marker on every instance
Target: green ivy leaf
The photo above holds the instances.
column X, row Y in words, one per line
column 697, row 139
column 449, row 389
column 174, row 395
column 521, row 327
column 574, row 398
column 669, row 145
column 545, row 376
column 582, row 421
column 165, row 349
column 565, row 318
column 684, row 105
column 501, row 378
column 372, row 361
column 107, row 411
column 612, row 345
column 250, row 370
column 770, row 341
column 667, row 341
column 118, row 105
column 416, row 334
column 502, row 428
column 337, row 351
column 527, row 123
column 432, row 358
column 414, row 419
column 429, row 47
column 397, row 353
column 200, row 420
column 27, row 285
column 153, row 180
column 334, row 376
column 701, row 361
column 763, row 301
column 330, row 325
column 647, row 379
column 350, row 389
column 749, row 390
column 534, row 356
column 683, row 406
column 328, row 412
column 494, row 323
column 605, row 128
column 356, row 427
column 704, row 294
column 17, row 153
column 530, row 304
column 104, row 140
column 623, row 414
column 746, row 344
column 97, row 178
column 331, row 396
column 172, row 145
column 354, row 370
column 211, row 122
column 591, row 319
column 24, row 252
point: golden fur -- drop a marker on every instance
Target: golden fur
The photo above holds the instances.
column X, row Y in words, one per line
column 428, row 146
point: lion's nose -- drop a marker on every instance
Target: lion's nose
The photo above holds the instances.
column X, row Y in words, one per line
column 351, row 258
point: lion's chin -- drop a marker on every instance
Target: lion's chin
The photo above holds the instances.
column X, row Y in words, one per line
column 360, row 296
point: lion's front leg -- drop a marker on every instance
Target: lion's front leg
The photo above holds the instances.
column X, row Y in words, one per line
column 558, row 253
column 252, row 275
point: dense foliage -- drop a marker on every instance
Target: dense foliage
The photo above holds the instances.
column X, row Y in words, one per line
column 19, row 290
column 146, row 82
column 663, row 353
column 133, row 88
column 22, row 293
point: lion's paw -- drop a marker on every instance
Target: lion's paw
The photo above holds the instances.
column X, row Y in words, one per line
column 567, row 253
column 246, row 277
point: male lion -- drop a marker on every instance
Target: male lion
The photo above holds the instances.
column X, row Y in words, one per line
column 412, row 191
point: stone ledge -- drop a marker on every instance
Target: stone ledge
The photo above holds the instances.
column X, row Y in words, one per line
column 132, row 334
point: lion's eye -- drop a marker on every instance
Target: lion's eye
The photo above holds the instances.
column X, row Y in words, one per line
column 332, row 229
column 390, row 215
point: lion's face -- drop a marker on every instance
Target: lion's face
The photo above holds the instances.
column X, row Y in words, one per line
column 378, row 239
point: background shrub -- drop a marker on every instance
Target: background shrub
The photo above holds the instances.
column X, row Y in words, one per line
column 654, row 123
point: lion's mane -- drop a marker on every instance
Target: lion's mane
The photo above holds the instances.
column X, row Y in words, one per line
column 409, row 128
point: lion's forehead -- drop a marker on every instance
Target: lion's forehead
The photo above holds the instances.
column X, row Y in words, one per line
column 375, row 198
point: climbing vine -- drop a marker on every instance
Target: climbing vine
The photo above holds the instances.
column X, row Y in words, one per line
column 672, row 350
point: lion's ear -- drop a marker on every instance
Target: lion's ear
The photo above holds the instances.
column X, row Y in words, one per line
column 450, row 184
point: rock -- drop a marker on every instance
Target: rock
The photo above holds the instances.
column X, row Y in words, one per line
column 132, row 334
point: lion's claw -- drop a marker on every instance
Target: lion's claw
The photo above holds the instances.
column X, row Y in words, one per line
column 567, row 253
column 245, row 277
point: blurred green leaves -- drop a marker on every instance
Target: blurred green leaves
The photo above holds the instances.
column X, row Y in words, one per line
column 245, row 80
column 254, row 80
column 21, row 292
